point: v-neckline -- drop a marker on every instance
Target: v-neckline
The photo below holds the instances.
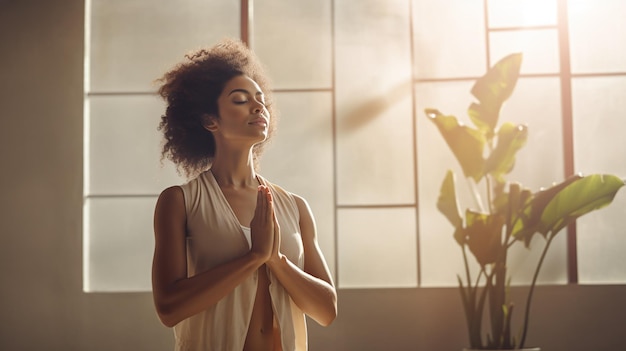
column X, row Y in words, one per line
column 225, row 200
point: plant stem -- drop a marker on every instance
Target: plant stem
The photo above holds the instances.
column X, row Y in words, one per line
column 470, row 305
column 467, row 272
column 532, row 289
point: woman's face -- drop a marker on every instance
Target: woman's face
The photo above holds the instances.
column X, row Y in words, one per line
column 242, row 112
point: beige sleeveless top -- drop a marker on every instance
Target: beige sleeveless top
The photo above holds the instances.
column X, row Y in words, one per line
column 215, row 236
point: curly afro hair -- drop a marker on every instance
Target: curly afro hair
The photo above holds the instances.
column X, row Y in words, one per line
column 191, row 90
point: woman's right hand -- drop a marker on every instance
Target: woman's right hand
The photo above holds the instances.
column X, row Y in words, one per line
column 262, row 224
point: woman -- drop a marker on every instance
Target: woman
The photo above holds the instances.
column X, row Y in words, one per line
column 236, row 263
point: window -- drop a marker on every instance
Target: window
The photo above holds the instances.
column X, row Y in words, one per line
column 351, row 80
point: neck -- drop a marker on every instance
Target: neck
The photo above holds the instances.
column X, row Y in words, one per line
column 234, row 169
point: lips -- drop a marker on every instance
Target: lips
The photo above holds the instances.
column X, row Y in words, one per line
column 260, row 121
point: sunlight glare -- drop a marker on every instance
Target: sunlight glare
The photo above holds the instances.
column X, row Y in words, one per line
column 516, row 13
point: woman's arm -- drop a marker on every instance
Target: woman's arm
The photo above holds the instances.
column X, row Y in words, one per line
column 178, row 297
column 313, row 289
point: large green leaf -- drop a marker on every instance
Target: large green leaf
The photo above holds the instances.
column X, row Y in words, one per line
column 577, row 199
column 511, row 138
column 447, row 202
column 492, row 89
column 466, row 143
column 527, row 222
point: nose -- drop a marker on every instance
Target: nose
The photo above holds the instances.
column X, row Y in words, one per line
column 258, row 108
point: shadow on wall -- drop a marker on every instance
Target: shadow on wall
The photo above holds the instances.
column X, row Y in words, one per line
column 364, row 113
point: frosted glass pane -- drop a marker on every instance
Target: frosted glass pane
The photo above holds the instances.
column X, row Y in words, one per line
column 123, row 146
column 133, row 42
column 373, row 99
column 600, row 147
column 535, row 102
column 449, row 38
column 521, row 13
column 300, row 159
column 540, row 49
column 377, row 248
column 118, row 244
column 293, row 39
column 601, row 244
column 597, row 35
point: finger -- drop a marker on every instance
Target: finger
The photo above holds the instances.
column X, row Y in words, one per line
column 261, row 204
column 270, row 204
column 269, row 194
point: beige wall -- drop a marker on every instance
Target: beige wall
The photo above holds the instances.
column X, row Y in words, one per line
column 42, row 306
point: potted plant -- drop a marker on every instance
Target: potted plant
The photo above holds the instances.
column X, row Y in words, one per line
column 513, row 215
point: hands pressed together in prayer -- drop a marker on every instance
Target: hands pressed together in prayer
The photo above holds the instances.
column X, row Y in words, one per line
column 264, row 228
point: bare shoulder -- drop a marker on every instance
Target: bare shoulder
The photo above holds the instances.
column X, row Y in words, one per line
column 170, row 209
column 171, row 197
column 300, row 201
column 302, row 204
column 172, row 193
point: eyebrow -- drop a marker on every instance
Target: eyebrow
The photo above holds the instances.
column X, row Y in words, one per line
column 245, row 92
